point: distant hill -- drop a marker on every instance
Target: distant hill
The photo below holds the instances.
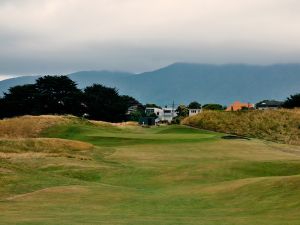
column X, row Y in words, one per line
column 6, row 84
column 183, row 82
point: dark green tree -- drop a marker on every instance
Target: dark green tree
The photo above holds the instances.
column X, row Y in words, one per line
column 2, row 108
column 137, row 110
column 194, row 105
column 292, row 102
column 130, row 101
column 182, row 111
column 19, row 100
column 104, row 103
column 58, row 95
column 151, row 105
column 136, row 115
column 213, row 107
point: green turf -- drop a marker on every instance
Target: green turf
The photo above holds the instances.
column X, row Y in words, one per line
column 169, row 175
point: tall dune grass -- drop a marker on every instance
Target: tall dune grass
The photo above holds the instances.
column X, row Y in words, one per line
column 28, row 126
column 274, row 125
column 43, row 147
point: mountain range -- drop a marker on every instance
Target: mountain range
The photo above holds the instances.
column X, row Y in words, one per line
column 185, row 82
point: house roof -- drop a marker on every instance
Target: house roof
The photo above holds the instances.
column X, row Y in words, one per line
column 269, row 103
column 238, row 106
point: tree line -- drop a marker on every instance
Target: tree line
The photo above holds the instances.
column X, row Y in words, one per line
column 60, row 95
column 292, row 102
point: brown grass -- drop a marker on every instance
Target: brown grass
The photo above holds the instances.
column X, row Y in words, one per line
column 274, row 125
column 28, row 126
column 51, row 190
column 42, row 147
column 123, row 124
column 52, row 145
column 32, row 126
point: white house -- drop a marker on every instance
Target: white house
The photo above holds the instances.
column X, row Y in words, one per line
column 164, row 114
column 168, row 114
column 193, row 112
column 150, row 111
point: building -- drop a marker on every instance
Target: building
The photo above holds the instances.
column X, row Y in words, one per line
column 268, row 104
column 168, row 114
column 236, row 106
column 193, row 112
column 151, row 111
column 164, row 114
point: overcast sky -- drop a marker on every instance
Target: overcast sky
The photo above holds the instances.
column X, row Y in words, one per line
column 61, row 36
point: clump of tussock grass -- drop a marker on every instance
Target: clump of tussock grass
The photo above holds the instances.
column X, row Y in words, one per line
column 108, row 124
column 274, row 125
column 29, row 126
column 49, row 145
column 43, row 147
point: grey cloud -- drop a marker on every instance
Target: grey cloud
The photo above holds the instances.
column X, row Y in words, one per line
column 54, row 36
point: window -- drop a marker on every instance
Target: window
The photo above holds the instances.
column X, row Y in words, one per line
column 150, row 110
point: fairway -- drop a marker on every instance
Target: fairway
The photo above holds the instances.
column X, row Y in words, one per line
column 98, row 173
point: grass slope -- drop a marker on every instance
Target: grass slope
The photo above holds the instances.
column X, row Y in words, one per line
column 87, row 173
column 275, row 125
column 30, row 126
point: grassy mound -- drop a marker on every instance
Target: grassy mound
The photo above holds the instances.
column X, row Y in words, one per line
column 45, row 145
column 29, row 126
column 274, row 125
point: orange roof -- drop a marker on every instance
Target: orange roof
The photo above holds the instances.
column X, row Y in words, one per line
column 238, row 106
